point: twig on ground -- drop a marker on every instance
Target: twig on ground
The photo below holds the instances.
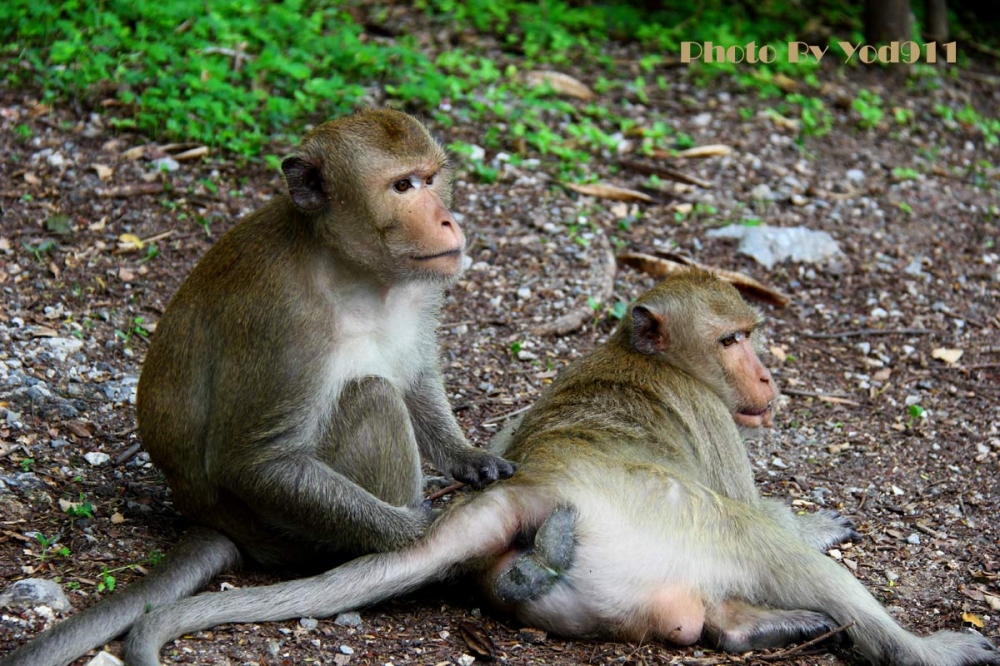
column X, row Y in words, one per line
column 447, row 490
column 828, row 397
column 785, row 654
column 870, row 332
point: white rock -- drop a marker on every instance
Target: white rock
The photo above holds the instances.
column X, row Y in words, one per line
column 855, row 175
column 166, row 164
column 62, row 347
column 97, row 458
column 105, row 659
column 35, row 592
column 770, row 245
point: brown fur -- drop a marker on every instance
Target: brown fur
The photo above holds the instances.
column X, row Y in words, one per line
column 635, row 489
column 292, row 384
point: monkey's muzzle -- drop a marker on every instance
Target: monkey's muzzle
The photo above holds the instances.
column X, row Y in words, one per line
column 754, row 418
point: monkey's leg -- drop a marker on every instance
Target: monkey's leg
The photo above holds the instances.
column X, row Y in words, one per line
column 371, row 442
column 787, row 573
column 482, row 528
column 736, row 626
column 533, row 572
column 199, row 556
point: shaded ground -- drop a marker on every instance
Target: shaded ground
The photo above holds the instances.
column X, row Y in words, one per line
column 920, row 253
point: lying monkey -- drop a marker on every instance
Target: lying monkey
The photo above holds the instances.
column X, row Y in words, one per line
column 637, row 488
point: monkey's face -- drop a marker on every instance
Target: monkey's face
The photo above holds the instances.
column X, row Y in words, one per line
column 423, row 235
column 700, row 324
column 749, row 381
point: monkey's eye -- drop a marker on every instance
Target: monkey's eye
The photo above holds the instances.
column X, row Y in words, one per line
column 402, row 185
column 733, row 338
column 430, row 179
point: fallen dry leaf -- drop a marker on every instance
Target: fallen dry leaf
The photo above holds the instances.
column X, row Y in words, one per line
column 661, row 267
column 563, row 84
column 779, row 353
column 612, row 192
column 31, row 179
column 193, row 154
column 129, row 243
column 104, row 172
column 41, row 332
column 949, row 356
column 478, row 640
column 711, row 150
column 882, row 375
column 117, row 518
column 972, row 619
column 79, row 429
column 134, row 153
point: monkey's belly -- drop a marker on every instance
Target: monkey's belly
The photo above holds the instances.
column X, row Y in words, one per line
column 639, row 568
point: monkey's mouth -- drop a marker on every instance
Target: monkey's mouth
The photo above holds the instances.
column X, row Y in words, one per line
column 457, row 252
column 749, row 417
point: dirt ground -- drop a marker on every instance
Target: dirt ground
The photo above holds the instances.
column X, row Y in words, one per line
column 856, row 351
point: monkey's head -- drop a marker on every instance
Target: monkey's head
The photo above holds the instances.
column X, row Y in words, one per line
column 698, row 323
column 376, row 187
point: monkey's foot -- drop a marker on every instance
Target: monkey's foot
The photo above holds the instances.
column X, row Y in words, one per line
column 739, row 627
column 534, row 572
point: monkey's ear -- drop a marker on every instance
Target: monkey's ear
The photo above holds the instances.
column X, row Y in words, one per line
column 649, row 331
column 305, row 183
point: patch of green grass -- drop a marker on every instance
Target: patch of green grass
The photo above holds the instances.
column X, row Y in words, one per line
column 869, row 106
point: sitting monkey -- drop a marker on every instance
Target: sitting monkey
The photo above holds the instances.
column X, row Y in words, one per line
column 292, row 384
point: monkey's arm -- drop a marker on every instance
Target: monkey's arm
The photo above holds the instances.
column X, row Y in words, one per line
column 441, row 440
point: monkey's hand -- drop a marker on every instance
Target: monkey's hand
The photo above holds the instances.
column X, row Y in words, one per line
column 480, row 468
column 826, row 528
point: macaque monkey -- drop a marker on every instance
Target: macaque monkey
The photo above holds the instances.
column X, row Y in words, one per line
column 635, row 491
column 292, row 384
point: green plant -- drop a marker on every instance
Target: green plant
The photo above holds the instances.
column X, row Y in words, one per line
column 869, row 107
column 107, row 581
column 26, row 464
column 905, row 173
column 915, row 412
column 50, row 548
column 619, row 309
column 43, row 247
column 135, row 329
column 81, row 509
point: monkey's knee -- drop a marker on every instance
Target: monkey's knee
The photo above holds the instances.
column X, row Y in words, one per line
column 534, row 572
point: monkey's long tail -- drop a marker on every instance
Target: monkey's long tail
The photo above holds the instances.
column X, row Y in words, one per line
column 482, row 527
column 199, row 556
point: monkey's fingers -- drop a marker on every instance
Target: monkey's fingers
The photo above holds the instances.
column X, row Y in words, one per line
column 480, row 468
